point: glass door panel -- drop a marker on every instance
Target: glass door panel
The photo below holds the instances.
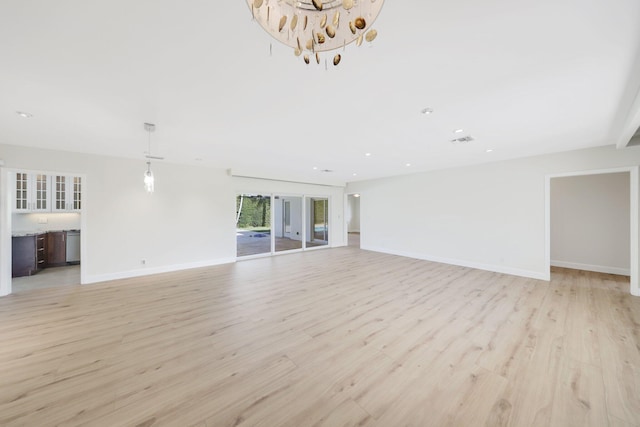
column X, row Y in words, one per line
column 317, row 222
column 42, row 192
column 22, row 192
column 288, row 223
column 253, row 224
column 77, row 193
column 60, row 193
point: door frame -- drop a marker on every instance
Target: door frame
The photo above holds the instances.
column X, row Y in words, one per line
column 312, row 219
column 304, row 226
column 6, row 210
column 5, row 232
column 634, row 174
column 346, row 208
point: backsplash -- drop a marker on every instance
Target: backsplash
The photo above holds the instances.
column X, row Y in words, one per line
column 36, row 222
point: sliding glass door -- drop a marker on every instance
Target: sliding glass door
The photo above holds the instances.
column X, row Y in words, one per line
column 253, row 224
column 275, row 223
column 318, row 220
column 288, row 223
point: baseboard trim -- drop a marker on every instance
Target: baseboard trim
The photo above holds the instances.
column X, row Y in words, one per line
column 463, row 263
column 96, row 278
column 590, row 267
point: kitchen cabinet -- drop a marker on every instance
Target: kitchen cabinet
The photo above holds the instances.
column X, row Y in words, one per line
column 56, row 248
column 66, row 193
column 28, row 254
column 32, row 192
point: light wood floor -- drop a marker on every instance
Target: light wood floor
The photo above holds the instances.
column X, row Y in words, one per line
column 354, row 239
column 339, row 337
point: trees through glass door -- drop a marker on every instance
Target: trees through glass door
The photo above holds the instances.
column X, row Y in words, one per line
column 267, row 224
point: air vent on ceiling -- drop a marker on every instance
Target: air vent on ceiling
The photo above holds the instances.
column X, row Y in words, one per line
column 462, row 140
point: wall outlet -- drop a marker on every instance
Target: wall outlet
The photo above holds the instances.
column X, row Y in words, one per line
column 43, row 220
column 143, row 261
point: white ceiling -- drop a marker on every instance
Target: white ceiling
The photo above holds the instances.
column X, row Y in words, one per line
column 522, row 78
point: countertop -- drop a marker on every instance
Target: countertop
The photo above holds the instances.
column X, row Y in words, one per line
column 24, row 233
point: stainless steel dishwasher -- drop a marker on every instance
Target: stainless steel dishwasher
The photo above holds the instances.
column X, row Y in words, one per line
column 73, row 246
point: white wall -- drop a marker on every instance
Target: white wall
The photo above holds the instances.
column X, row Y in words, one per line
column 353, row 214
column 5, row 231
column 28, row 222
column 187, row 222
column 590, row 227
column 489, row 216
column 335, row 195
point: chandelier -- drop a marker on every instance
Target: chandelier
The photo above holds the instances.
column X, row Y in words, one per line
column 311, row 27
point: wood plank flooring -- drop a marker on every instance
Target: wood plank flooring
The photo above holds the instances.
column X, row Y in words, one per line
column 339, row 337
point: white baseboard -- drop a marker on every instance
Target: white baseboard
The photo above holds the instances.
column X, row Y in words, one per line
column 95, row 278
column 589, row 267
column 463, row 263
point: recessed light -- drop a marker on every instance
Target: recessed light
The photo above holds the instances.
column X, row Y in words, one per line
column 426, row 111
column 408, row 165
column 458, row 131
column 489, row 150
column 315, row 168
column 356, row 195
column 367, row 154
column 24, row 114
column 355, row 174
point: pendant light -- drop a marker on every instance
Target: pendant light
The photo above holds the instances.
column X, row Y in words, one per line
column 148, row 174
column 148, row 179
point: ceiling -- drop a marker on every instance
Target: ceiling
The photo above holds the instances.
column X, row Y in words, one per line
column 521, row 78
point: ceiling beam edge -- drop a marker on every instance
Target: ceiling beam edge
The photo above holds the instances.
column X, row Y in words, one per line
column 626, row 129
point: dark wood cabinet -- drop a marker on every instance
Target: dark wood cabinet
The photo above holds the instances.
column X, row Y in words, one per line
column 56, row 248
column 28, row 254
column 41, row 251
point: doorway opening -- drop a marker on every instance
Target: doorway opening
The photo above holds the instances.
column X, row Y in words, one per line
column 352, row 218
column 42, row 235
column 592, row 222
